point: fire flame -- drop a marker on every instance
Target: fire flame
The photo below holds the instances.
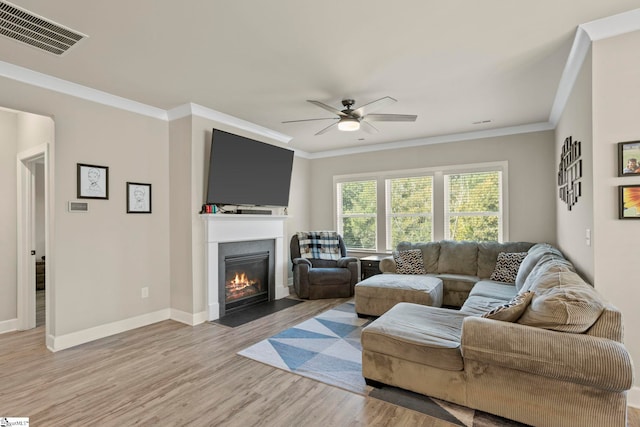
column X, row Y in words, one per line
column 240, row 286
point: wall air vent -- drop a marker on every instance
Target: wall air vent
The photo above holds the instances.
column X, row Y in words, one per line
column 26, row 27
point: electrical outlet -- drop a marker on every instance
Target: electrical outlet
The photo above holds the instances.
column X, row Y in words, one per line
column 145, row 292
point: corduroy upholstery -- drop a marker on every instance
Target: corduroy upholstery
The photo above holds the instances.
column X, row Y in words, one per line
column 377, row 294
column 460, row 265
column 570, row 369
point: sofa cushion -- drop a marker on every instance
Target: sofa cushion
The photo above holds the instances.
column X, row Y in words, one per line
column 477, row 305
column 511, row 311
column 377, row 294
column 507, row 266
column 430, row 253
column 533, row 256
column 418, row 333
column 458, row 257
column 409, row 262
column 487, row 288
column 563, row 302
column 548, row 263
column 488, row 254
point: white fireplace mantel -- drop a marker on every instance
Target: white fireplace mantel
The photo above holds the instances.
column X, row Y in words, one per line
column 221, row 228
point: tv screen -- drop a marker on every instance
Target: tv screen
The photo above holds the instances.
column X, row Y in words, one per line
column 243, row 171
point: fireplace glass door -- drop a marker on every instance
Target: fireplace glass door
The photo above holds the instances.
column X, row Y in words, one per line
column 246, row 280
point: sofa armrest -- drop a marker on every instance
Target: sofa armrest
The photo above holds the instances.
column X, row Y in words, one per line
column 301, row 261
column 388, row 265
column 578, row 358
column 345, row 261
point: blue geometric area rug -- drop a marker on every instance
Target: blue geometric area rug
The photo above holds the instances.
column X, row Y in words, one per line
column 327, row 348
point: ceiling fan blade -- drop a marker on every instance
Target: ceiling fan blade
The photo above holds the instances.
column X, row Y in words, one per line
column 391, row 117
column 368, row 127
column 327, row 129
column 373, row 106
column 308, row 120
column 327, row 107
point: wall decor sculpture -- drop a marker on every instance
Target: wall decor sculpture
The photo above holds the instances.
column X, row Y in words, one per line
column 570, row 172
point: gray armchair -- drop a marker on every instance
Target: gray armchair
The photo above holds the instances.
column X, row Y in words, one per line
column 321, row 278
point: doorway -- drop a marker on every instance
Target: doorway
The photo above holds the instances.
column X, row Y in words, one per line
column 33, row 236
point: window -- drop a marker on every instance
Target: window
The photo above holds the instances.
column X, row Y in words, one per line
column 409, row 207
column 357, row 213
column 374, row 212
column 472, row 206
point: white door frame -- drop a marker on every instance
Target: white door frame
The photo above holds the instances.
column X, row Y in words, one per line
column 26, row 290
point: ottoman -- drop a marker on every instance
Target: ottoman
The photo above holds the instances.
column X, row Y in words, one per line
column 377, row 294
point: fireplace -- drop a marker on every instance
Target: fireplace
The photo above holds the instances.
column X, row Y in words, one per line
column 246, row 274
column 222, row 229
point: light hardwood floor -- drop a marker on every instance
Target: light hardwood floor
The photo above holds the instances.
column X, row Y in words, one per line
column 171, row 374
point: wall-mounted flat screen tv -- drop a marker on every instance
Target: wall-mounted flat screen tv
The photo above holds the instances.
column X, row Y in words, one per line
column 246, row 172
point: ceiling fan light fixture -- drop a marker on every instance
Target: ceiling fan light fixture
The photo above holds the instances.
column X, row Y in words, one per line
column 348, row 124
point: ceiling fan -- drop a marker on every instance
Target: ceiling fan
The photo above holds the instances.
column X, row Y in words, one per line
column 351, row 120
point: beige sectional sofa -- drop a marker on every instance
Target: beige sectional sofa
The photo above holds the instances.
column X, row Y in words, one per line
column 559, row 362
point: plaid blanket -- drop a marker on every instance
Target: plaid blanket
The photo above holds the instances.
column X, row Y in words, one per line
column 319, row 245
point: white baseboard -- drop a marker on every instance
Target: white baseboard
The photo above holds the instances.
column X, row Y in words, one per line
column 282, row 291
column 8, row 326
column 633, row 397
column 190, row 319
column 102, row 331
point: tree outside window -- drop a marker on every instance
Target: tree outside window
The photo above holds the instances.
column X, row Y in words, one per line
column 357, row 214
column 472, row 206
column 409, row 210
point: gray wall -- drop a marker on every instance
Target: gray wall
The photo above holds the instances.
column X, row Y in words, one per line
column 8, row 218
column 100, row 259
column 572, row 224
column 616, row 91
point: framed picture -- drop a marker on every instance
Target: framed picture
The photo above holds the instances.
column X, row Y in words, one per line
column 629, row 202
column 138, row 198
column 629, row 158
column 92, row 182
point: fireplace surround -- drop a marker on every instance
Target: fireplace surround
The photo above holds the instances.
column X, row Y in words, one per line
column 221, row 229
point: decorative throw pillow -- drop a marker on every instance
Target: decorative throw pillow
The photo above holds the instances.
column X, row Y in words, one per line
column 507, row 266
column 511, row 311
column 409, row 262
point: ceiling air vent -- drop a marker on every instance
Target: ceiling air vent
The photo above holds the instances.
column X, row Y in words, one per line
column 23, row 26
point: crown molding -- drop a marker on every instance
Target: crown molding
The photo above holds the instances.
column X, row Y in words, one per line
column 577, row 55
column 612, row 26
column 45, row 81
column 208, row 113
column 441, row 139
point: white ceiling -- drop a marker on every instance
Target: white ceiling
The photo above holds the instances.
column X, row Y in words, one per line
column 450, row 62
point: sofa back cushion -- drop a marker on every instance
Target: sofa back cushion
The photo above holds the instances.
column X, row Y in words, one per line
column 430, row 253
column 563, row 302
column 547, row 263
column 534, row 254
column 458, row 257
column 488, row 254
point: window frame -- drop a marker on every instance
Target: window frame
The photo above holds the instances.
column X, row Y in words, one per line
column 438, row 197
